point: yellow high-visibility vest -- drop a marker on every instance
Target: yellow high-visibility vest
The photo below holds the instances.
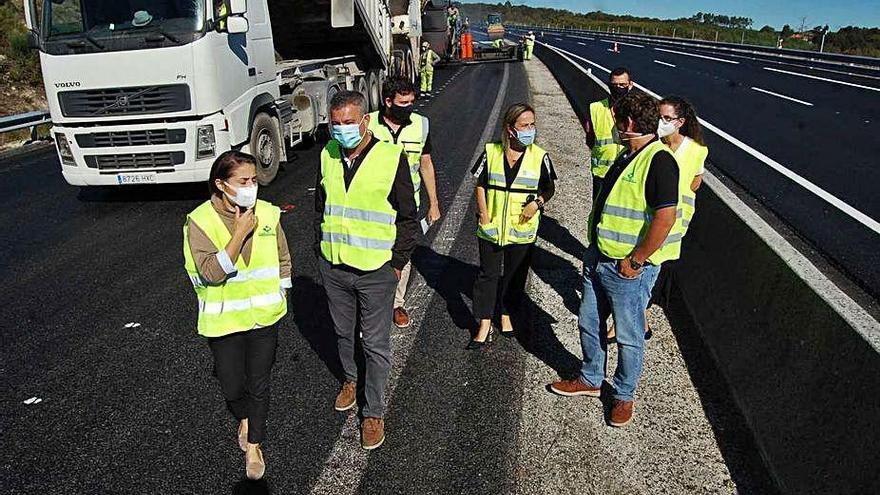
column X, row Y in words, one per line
column 690, row 156
column 253, row 296
column 606, row 149
column 413, row 138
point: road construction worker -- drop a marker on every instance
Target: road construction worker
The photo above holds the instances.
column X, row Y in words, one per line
column 396, row 123
column 428, row 59
column 452, row 18
column 498, row 43
column 601, row 138
column 221, row 10
column 237, row 258
column 515, row 178
column 530, row 45
column 632, row 231
column 366, row 230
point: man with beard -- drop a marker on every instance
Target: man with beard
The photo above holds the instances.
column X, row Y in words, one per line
column 602, row 137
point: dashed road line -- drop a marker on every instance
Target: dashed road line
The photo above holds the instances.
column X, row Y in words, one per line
column 802, row 102
column 622, row 43
column 698, row 56
column 581, row 43
column 664, row 63
column 845, row 83
column 831, row 199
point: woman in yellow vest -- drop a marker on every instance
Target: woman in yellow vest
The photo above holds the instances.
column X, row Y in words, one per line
column 514, row 181
column 237, row 259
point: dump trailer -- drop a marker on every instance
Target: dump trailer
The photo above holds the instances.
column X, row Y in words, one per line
column 151, row 91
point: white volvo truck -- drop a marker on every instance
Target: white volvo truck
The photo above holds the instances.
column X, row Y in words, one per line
column 151, row 91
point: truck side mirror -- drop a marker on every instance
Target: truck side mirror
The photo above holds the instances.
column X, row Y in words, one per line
column 237, row 7
column 341, row 13
column 236, row 25
column 33, row 40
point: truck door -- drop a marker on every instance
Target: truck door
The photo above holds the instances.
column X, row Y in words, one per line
column 261, row 49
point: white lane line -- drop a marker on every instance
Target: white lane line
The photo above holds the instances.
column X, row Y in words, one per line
column 802, row 102
column 698, row 56
column 872, row 88
column 558, row 39
column 584, row 38
column 581, row 43
column 622, row 43
column 785, row 171
column 345, row 465
column 664, row 63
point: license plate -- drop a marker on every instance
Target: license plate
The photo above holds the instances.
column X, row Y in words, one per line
column 146, row 178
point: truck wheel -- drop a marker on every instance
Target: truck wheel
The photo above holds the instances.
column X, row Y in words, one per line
column 266, row 147
column 374, row 97
column 362, row 88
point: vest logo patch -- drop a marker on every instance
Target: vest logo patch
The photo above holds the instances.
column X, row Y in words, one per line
column 267, row 230
column 630, row 177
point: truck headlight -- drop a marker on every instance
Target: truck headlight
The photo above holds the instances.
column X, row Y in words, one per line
column 64, row 150
column 205, row 141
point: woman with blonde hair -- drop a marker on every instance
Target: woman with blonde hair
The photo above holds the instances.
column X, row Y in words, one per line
column 514, row 181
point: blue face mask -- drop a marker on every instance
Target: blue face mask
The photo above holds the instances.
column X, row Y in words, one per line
column 349, row 136
column 526, row 137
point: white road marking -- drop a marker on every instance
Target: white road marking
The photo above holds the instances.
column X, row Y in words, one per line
column 558, row 39
column 584, row 38
column 622, row 43
column 663, row 63
column 802, row 102
column 345, row 465
column 581, row 43
column 699, row 56
column 872, row 88
column 785, row 171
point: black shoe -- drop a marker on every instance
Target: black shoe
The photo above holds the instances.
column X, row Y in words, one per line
column 474, row 345
column 649, row 334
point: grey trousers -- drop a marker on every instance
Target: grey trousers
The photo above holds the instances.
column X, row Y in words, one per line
column 367, row 297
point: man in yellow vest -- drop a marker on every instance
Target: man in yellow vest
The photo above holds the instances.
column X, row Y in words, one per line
column 632, row 230
column 602, row 139
column 426, row 67
column 396, row 123
column 366, row 230
column 530, row 45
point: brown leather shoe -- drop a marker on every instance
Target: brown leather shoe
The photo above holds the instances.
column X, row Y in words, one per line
column 372, row 433
column 347, row 397
column 621, row 412
column 255, row 466
column 574, row 388
column 401, row 318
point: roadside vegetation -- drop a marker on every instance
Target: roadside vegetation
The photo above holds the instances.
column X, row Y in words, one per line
column 702, row 26
column 21, row 84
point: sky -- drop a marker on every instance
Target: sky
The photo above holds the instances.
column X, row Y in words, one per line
column 835, row 13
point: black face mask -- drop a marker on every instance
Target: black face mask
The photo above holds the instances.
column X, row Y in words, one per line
column 618, row 93
column 400, row 114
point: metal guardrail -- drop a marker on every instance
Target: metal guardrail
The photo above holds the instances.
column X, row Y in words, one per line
column 827, row 57
column 25, row 120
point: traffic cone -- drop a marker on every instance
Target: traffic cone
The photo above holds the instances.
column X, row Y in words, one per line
column 615, row 48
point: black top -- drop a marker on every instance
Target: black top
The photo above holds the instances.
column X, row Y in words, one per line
column 546, row 186
column 426, row 150
column 401, row 197
column 661, row 186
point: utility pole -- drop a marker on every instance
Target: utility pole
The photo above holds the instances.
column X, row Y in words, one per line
column 822, row 46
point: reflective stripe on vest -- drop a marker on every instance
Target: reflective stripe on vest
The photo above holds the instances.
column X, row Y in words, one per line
column 251, row 297
column 606, row 149
column 625, row 219
column 412, row 138
column 359, row 224
column 506, row 204
column 690, row 157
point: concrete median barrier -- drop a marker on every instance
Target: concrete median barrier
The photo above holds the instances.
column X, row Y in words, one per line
column 801, row 358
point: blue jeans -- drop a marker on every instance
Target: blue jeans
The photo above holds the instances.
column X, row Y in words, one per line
column 607, row 292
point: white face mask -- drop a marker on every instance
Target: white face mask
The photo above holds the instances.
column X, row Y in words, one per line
column 246, row 197
column 665, row 128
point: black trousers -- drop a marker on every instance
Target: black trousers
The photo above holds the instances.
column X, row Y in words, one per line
column 243, row 365
column 503, row 271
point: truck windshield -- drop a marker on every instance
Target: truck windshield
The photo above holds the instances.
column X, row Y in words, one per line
column 110, row 18
column 494, row 19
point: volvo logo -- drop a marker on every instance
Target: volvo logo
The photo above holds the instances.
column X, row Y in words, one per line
column 122, row 101
column 69, row 84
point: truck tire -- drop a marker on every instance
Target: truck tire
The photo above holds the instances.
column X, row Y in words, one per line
column 362, row 88
column 266, row 145
column 374, row 96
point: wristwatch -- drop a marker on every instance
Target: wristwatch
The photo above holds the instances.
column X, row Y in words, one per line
column 635, row 265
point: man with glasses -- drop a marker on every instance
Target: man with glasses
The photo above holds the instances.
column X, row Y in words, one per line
column 602, row 139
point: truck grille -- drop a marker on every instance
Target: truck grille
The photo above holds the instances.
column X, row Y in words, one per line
column 136, row 161
column 125, row 101
column 131, row 138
